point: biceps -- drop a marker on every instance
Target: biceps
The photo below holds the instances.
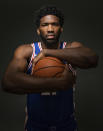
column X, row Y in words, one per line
column 18, row 65
column 74, row 45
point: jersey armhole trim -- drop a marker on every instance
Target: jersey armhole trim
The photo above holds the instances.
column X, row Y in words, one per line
column 32, row 56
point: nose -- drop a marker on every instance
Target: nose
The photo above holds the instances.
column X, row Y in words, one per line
column 50, row 28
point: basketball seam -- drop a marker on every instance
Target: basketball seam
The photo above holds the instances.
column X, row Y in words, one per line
column 54, row 60
column 57, row 74
column 49, row 59
column 47, row 67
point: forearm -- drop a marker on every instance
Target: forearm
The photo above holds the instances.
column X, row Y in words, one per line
column 21, row 83
column 80, row 57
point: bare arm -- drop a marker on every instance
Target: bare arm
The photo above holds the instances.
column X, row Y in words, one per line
column 76, row 54
column 17, row 81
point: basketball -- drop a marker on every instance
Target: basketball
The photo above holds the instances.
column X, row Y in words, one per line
column 48, row 67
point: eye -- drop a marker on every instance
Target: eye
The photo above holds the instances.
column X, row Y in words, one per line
column 44, row 24
column 55, row 24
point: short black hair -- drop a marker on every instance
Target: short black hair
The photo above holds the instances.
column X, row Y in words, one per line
column 48, row 10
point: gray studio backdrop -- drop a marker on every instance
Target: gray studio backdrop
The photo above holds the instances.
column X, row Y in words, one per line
column 83, row 22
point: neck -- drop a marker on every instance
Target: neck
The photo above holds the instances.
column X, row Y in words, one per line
column 50, row 45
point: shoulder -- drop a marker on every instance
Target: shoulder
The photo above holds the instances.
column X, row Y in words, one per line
column 74, row 44
column 24, row 50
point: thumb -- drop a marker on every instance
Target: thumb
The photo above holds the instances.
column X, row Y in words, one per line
column 67, row 67
column 33, row 65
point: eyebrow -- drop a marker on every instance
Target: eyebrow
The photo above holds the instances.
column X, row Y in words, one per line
column 50, row 23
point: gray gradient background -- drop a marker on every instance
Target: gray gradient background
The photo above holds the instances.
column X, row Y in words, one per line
column 83, row 22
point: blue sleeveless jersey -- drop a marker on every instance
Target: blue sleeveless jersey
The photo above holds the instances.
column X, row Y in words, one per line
column 56, row 108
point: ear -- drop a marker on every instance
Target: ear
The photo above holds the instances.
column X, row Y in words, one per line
column 38, row 32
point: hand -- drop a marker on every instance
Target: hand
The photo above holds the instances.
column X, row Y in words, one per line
column 67, row 79
column 38, row 57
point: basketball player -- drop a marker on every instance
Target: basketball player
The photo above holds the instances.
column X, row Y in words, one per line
column 50, row 104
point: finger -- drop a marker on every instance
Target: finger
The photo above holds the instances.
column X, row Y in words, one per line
column 32, row 69
column 67, row 68
column 33, row 64
column 35, row 60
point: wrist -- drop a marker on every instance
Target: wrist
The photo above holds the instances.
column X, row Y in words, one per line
column 46, row 52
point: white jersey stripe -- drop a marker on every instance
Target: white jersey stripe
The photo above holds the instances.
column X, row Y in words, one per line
column 39, row 44
column 64, row 44
column 32, row 57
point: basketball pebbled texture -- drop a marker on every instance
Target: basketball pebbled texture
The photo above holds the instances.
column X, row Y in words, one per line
column 48, row 67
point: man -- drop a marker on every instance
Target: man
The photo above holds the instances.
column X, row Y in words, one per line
column 48, row 111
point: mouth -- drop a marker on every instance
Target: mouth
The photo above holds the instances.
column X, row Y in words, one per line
column 51, row 36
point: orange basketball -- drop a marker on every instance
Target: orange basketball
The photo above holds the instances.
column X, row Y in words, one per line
column 48, row 67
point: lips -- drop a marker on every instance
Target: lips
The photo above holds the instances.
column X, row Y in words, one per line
column 51, row 36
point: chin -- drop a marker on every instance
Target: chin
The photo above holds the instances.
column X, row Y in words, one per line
column 51, row 41
column 51, row 44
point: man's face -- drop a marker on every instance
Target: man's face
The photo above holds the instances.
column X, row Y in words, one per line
column 49, row 29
